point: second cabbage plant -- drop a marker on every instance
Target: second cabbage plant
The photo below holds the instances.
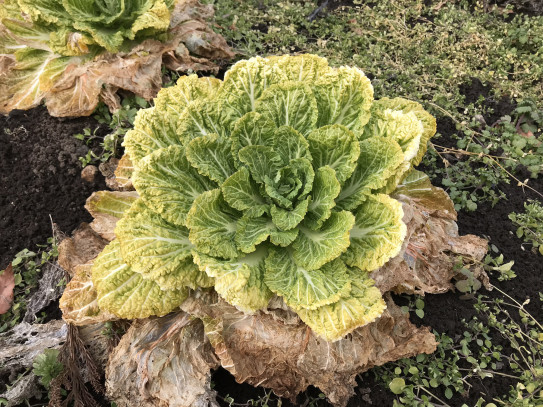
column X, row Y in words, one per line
column 275, row 181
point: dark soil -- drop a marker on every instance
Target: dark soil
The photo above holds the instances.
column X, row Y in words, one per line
column 40, row 179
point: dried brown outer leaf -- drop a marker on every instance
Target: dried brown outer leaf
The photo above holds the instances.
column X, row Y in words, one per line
column 109, row 96
column 79, row 302
column 7, row 284
column 6, row 62
column 84, row 245
column 425, row 264
column 118, row 173
column 190, row 27
column 261, row 349
column 162, row 362
column 107, row 207
column 123, row 174
column 77, row 92
column 419, row 189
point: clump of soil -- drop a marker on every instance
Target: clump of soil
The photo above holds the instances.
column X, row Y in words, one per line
column 40, row 178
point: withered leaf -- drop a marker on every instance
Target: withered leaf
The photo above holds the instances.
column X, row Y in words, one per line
column 262, row 349
column 7, row 284
column 162, row 362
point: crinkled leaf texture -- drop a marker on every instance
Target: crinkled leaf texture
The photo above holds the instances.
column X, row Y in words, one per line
column 275, row 350
column 163, row 362
column 274, row 181
column 74, row 53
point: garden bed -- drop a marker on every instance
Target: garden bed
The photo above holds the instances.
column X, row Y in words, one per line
column 41, row 184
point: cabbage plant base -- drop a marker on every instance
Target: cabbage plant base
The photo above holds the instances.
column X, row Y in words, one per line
column 290, row 150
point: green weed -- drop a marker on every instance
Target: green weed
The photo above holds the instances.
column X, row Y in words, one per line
column 118, row 122
column 46, row 366
column 27, row 266
column 433, row 380
column 530, row 224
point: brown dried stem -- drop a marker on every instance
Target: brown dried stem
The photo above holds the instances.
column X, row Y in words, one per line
column 75, row 357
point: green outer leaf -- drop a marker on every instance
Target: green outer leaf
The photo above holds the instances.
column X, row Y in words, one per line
column 289, row 104
column 187, row 274
column 418, row 187
column 253, row 231
column 240, row 281
column 326, row 188
column 286, row 219
column 49, row 11
column 113, row 203
column 245, row 82
column 175, row 99
column 314, row 248
column 109, row 38
column 364, row 304
column 302, row 288
column 283, row 238
column 168, row 184
column 213, row 225
column 241, row 193
column 93, row 12
column 24, row 85
column 211, row 156
column 156, row 18
column 344, row 96
column 405, row 128
column 251, row 129
column 126, row 293
column 428, row 121
column 202, row 117
column 395, row 179
column 301, row 68
column 336, row 147
column 378, row 161
column 66, row 42
column 290, row 144
column 378, row 233
column 155, row 248
column 263, row 162
column 153, row 129
column 20, row 32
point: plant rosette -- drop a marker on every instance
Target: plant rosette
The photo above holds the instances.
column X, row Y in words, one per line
column 273, row 182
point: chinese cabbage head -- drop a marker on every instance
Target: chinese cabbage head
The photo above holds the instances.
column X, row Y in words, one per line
column 272, row 182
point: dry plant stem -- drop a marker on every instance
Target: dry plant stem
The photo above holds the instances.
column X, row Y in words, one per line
column 519, row 306
column 74, row 356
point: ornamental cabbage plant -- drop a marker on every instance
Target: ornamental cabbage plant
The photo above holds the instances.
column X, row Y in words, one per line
column 273, row 182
